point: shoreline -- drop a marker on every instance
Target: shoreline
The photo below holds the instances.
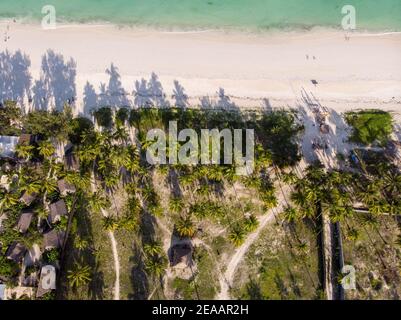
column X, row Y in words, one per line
column 231, row 29
column 361, row 71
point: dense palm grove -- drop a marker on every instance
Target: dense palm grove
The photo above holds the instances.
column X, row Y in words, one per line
column 120, row 195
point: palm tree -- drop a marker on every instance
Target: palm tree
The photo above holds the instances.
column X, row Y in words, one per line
column 251, row 223
column 290, row 214
column 156, row 266
column 185, row 227
column 78, row 180
column 369, row 194
column 111, row 181
column 46, row 149
column 80, row 243
column 378, row 207
column 153, row 248
column 110, row 224
column 176, row 204
column 120, row 134
column 97, row 202
column 79, row 275
column 32, row 187
column 237, row 236
column 391, row 182
column 353, row 234
column 49, row 185
column 24, row 151
column 302, row 247
column 7, row 200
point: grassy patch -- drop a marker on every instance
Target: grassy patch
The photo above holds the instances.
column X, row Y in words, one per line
column 204, row 284
column 277, row 267
column 370, row 245
column 370, row 126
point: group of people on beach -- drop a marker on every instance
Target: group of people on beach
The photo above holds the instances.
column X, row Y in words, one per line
column 6, row 33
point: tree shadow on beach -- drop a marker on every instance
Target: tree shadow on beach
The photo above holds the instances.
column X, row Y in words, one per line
column 56, row 86
column 111, row 95
column 90, row 101
column 15, row 79
column 181, row 99
column 222, row 102
column 325, row 131
column 114, row 95
column 150, row 93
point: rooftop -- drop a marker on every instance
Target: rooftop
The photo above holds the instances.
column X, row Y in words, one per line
column 57, row 210
column 24, row 221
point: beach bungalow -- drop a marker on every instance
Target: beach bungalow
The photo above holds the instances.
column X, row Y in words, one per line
column 7, row 146
column 53, row 239
column 24, row 221
column 27, row 198
column 57, row 210
column 16, row 252
column 181, row 256
column 47, row 281
column 65, row 187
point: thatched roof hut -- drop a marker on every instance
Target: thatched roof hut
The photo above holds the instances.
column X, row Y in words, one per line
column 53, row 239
column 24, row 221
column 27, row 198
column 65, row 187
column 57, row 210
column 16, row 252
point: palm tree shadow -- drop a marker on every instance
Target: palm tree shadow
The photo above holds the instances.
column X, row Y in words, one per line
column 254, row 291
column 56, row 83
column 15, row 79
column 139, row 277
column 181, row 99
column 90, row 100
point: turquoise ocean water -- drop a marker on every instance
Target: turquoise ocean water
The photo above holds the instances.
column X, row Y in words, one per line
column 378, row 15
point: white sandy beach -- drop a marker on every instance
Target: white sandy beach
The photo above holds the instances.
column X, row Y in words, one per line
column 254, row 70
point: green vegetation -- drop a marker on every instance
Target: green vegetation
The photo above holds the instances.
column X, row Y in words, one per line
column 79, row 276
column 150, row 208
column 370, row 126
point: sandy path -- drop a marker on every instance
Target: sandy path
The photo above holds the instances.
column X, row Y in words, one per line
column 116, row 265
column 227, row 278
column 113, row 248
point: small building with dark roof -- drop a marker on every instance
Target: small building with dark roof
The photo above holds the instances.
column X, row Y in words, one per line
column 27, row 198
column 65, row 187
column 181, row 255
column 16, row 251
column 24, row 221
column 57, row 210
column 53, row 239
